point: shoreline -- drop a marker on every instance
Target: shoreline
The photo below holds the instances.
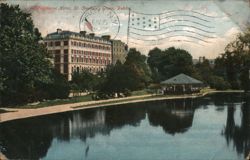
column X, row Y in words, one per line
column 15, row 113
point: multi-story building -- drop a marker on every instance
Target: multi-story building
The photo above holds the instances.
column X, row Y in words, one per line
column 74, row 52
column 119, row 51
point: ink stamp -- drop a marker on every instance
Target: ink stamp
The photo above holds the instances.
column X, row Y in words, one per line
column 101, row 20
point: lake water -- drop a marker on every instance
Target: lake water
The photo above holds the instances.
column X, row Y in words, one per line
column 208, row 128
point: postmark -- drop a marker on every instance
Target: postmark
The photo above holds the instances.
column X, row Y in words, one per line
column 100, row 20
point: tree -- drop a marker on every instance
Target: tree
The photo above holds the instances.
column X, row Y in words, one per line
column 25, row 65
column 217, row 82
column 136, row 62
column 85, row 80
column 57, row 88
column 245, row 73
column 170, row 62
column 236, row 61
column 119, row 79
column 155, row 57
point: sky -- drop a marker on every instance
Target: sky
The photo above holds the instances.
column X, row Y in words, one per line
column 202, row 27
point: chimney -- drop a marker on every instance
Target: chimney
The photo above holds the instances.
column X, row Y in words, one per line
column 59, row 30
column 83, row 33
column 106, row 37
column 92, row 35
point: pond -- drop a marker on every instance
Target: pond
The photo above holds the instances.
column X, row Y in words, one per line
column 207, row 128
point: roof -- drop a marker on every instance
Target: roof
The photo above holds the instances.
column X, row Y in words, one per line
column 181, row 79
column 66, row 34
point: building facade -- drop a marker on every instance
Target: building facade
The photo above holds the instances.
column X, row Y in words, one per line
column 75, row 52
column 119, row 51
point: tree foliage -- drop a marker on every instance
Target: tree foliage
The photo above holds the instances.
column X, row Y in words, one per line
column 234, row 63
column 134, row 74
column 85, row 80
column 170, row 62
column 25, row 64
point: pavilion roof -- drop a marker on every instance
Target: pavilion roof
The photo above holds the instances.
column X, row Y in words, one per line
column 181, row 79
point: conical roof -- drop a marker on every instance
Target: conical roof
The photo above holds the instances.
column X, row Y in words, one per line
column 181, row 79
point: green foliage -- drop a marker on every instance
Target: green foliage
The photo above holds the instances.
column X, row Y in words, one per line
column 84, row 80
column 119, row 78
column 245, row 72
column 57, row 88
column 25, row 65
column 136, row 62
column 170, row 62
column 219, row 67
column 134, row 74
column 219, row 83
column 234, row 62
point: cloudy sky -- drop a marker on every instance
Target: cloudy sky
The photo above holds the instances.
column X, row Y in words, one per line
column 203, row 27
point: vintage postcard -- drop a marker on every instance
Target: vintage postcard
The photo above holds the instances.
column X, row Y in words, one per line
column 125, row 79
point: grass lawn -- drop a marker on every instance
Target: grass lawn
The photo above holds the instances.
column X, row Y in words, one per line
column 89, row 98
column 4, row 111
column 59, row 101
column 72, row 100
column 139, row 93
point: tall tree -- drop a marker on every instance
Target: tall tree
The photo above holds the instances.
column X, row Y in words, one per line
column 136, row 62
column 236, row 61
column 24, row 61
column 171, row 62
column 155, row 57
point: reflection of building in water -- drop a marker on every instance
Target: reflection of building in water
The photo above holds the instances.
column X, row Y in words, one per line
column 132, row 115
column 174, row 117
column 83, row 126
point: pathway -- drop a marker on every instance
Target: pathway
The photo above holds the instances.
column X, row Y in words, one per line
column 25, row 113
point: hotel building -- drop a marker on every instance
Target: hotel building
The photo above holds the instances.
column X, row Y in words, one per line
column 74, row 52
column 119, row 51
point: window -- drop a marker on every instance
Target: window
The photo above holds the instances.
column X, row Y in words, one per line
column 65, row 43
column 65, row 51
column 65, row 58
column 57, row 43
column 65, row 68
column 50, row 43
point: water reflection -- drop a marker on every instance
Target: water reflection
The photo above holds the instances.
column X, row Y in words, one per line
column 31, row 138
column 239, row 134
column 175, row 117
